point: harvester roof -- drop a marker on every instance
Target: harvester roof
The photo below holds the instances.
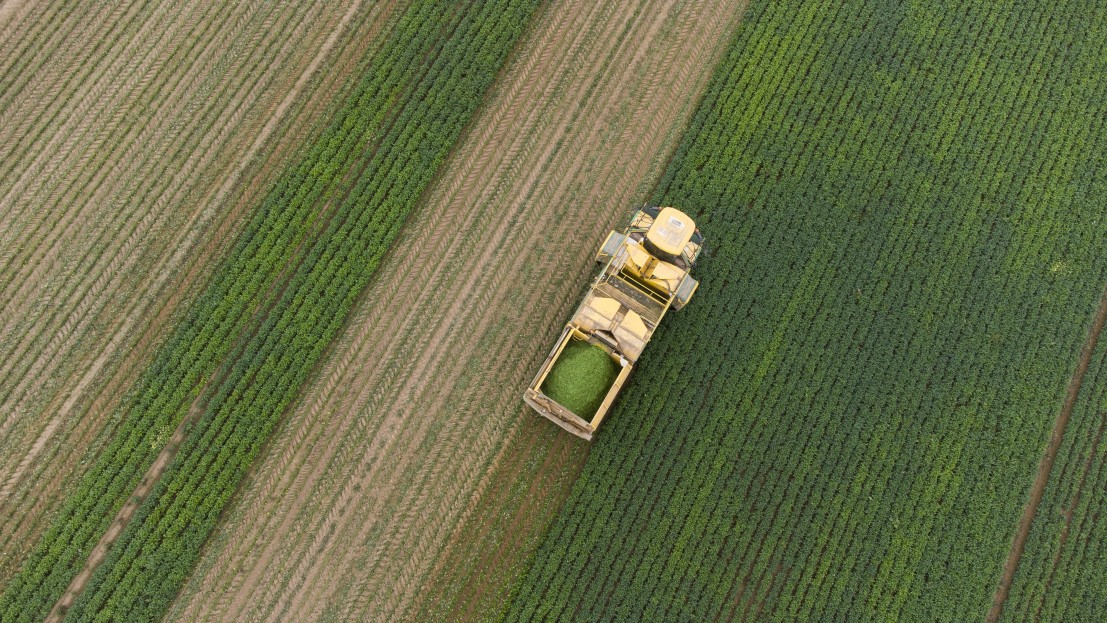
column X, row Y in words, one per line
column 671, row 230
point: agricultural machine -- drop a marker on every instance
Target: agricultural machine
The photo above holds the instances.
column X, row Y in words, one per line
column 646, row 272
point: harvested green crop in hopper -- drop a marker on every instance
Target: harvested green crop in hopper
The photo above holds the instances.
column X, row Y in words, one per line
column 581, row 378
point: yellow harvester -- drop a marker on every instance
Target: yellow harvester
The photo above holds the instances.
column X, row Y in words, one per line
column 646, row 272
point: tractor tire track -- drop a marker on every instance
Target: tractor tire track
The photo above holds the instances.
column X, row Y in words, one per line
column 370, row 455
column 265, row 138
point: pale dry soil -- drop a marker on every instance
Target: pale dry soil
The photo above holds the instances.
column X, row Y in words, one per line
column 410, row 482
column 136, row 137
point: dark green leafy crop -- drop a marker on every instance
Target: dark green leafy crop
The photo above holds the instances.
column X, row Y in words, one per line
column 903, row 206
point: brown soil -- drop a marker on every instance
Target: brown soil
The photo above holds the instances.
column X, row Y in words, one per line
column 533, row 475
column 414, row 426
column 1041, row 479
column 61, row 401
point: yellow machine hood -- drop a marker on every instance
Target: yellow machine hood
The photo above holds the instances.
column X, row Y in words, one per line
column 671, row 230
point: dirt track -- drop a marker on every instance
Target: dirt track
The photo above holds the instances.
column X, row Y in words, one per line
column 120, row 190
column 379, row 474
column 1045, row 466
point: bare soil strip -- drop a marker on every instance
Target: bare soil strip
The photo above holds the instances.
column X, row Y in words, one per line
column 299, row 62
column 123, row 517
column 399, row 437
column 1041, row 479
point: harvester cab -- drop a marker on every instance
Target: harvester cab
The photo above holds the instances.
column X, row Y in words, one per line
column 661, row 245
column 647, row 271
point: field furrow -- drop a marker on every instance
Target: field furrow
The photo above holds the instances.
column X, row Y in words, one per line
column 1056, row 565
column 196, row 176
column 268, row 313
column 1045, row 470
column 903, row 262
column 420, row 393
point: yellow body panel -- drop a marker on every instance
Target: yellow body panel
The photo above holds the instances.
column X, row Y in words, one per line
column 671, row 231
column 625, row 304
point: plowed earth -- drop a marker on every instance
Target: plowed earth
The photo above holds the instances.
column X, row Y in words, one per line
column 135, row 139
column 411, row 464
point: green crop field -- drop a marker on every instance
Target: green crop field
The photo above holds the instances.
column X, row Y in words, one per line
column 904, row 216
column 253, row 337
column 1062, row 574
column 275, row 277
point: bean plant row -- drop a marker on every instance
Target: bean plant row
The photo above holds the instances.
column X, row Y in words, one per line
column 903, row 212
column 251, row 340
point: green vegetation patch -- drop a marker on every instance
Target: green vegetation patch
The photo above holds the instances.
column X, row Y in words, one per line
column 580, row 378
column 283, row 293
column 903, row 204
column 1060, row 574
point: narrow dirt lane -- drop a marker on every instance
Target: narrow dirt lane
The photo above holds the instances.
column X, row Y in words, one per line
column 1041, row 479
column 400, row 436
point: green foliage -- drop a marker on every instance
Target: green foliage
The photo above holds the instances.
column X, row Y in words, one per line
column 903, row 212
column 580, row 378
column 1061, row 573
column 283, row 293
